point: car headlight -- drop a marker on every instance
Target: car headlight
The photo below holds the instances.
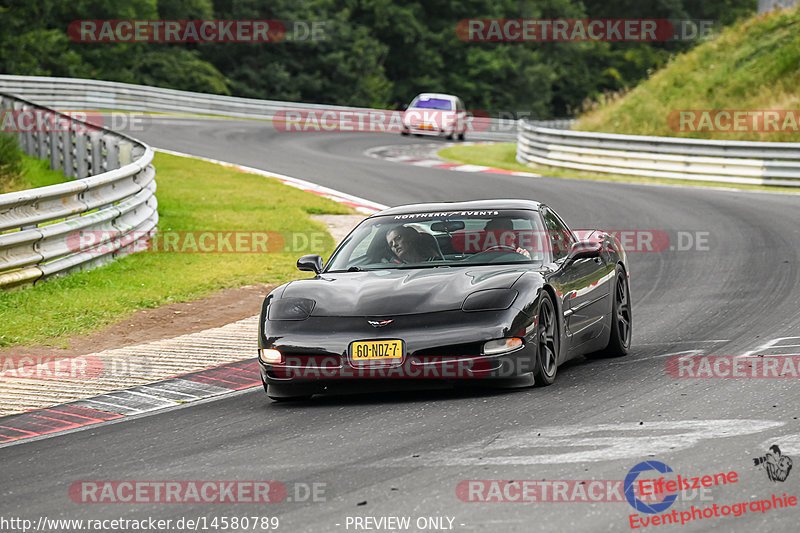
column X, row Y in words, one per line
column 501, row 346
column 489, row 300
column 270, row 356
column 290, row 309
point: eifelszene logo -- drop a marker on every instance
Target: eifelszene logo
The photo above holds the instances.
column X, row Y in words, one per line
column 630, row 486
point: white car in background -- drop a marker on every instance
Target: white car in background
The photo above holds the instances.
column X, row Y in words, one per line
column 436, row 114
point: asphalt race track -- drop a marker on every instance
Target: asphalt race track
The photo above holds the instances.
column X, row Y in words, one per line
column 404, row 453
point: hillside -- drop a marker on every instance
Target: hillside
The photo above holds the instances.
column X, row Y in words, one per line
column 752, row 67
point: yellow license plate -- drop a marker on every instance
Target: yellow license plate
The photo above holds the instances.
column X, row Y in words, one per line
column 384, row 350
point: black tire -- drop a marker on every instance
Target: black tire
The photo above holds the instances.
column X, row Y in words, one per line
column 461, row 136
column 548, row 342
column 404, row 133
column 449, row 136
column 619, row 342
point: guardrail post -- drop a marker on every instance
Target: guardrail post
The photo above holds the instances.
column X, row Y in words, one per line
column 43, row 138
column 55, row 149
column 69, row 164
column 124, row 154
column 96, row 140
column 27, row 135
column 81, row 155
column 112, row 152
column 17, row 109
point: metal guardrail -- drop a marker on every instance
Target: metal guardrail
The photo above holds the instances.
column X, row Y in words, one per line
column 76, row 93
column 81, row 223
column 742, row 162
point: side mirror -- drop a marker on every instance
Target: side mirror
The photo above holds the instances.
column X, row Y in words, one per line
column 584, row 250
column 311, row 263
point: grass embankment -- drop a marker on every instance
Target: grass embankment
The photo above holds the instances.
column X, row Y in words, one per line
column 502, row 155
column 753, row 65
column 192, row 196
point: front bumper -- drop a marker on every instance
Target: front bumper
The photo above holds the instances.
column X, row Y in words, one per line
column 311, row 368
column 316, row 350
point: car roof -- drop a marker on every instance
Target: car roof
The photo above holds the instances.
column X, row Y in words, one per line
column 437, row 95
column 475, row 205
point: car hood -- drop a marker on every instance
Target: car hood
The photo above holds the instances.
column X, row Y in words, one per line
column 399, row 292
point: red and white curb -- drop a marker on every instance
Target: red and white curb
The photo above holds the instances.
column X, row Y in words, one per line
column 164, row 357
column 130, row 380
column 361, row 205
column 172, row 392
column 426, row 155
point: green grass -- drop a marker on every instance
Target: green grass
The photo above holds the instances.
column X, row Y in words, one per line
column 193, row 196
column 499, row 155
column 752, row 65
column 502, row 155
column 10, row 163
column 26, row 172
column 36, row 173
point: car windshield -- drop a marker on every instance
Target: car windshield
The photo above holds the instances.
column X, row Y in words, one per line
column 432, row 103
column 451, row 239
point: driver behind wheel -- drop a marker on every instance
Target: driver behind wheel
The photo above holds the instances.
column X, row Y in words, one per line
column 503, row 229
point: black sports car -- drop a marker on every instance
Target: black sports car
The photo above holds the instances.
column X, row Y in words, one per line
column 447, row 291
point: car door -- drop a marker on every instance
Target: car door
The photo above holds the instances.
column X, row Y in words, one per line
column 582, row 283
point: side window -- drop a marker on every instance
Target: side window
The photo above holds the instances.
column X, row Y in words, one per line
column 559, row 235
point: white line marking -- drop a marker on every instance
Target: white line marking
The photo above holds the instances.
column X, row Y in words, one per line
column 770, row 345
column 470, row 168
column 685, row 353
column 679, row 342
column 428, row 163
